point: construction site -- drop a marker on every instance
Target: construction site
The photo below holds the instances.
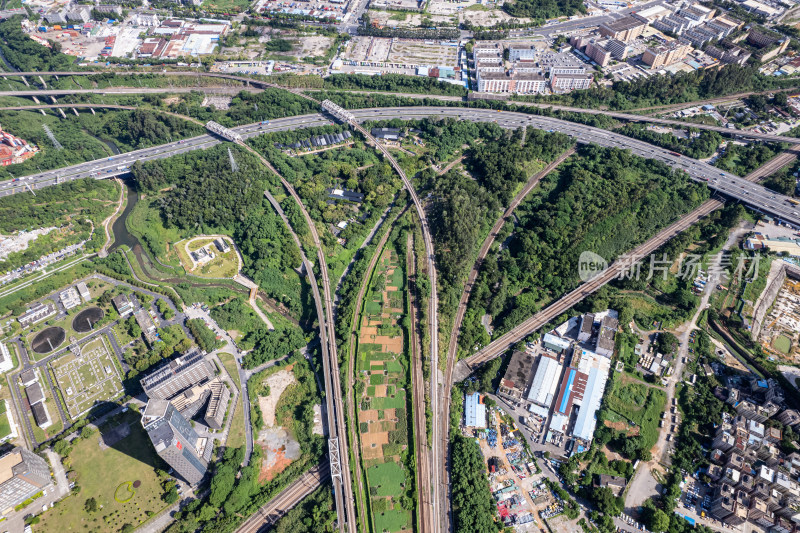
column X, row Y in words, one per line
column 779, row 330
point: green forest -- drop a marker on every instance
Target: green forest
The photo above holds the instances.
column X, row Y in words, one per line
column 205, row 196
column 75, row 208
column 605, row 201
column 544, row 9
column 83, row 137
column 27, row 55
column 473, row 506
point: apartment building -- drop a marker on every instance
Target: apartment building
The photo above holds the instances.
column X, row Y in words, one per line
column 667, row 54
column 569, row 82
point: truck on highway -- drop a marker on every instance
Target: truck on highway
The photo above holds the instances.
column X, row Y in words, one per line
column 793, row 201
column 122, row 167
column 265, row 122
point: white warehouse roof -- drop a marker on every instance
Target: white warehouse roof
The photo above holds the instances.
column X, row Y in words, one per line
column 595, row 385
column 475, row 411
column 545, row 381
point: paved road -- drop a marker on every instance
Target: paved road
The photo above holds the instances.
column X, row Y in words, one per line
column 723, row 182
column 581, row 23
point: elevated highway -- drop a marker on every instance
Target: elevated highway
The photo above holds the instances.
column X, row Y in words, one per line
column 723, row 182
column 734, row 187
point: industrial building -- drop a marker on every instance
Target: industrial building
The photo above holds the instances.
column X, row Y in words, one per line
column 474, row 411
column 37, row 313
column 587, row 420
column 83, row 290
column 176, row 441
column 69, row 298
column 605, row 336
column 22, row 474
column 518, row 375
column 123, row 305
column 545, row 381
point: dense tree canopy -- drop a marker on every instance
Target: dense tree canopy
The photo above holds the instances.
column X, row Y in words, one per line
column 605, row 201
column 473, row 507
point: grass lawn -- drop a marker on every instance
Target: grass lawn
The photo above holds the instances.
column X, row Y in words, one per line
column 236, row 435
column 5, row 427
column 781, row 343
column 227, row 5
column 639, row 404
column 392, row 520
column 99, row 473
column 222, row 266
column 388, row 478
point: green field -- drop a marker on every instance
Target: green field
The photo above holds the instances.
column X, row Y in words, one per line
column 382, row 357
column 637, row 403
column 99, row 473
column 783, row 344
column 236, row 435
column 92, row 378
column 5, row 426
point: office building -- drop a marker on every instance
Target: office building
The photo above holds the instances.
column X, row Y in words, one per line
column 146, row 325
column 177, row 375
column 522, row 51
column 175, row 441
column 625, row 29
column 22, row 474
column 123, row 305
column 516, row 82
column 568, row 82
column 597, row 52
column 217, row 405
column 667, row 54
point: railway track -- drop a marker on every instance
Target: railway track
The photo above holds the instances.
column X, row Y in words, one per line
column 552, row 311
column 774, row 164
column 278, row 506
column 433, row 304
column 452, row 351
column 418, row 390
column 337, row 429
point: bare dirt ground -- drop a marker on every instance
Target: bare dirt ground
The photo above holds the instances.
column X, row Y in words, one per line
column 318, row 427
column 277, row 382
column 622, row 426
column 280, row 449
column 313, row 46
